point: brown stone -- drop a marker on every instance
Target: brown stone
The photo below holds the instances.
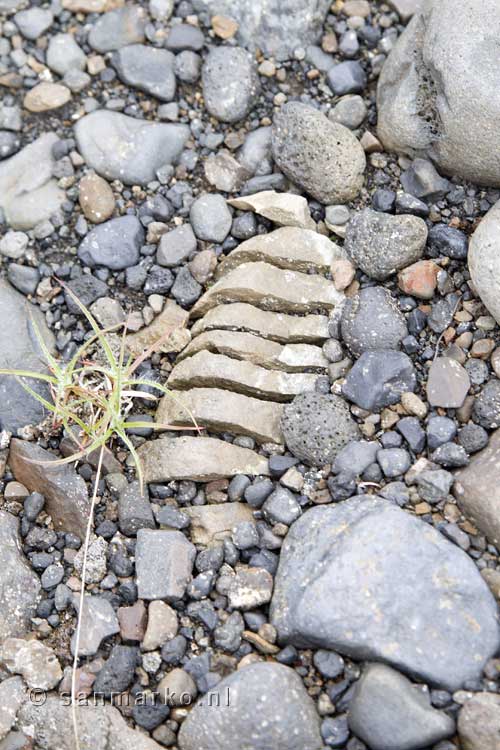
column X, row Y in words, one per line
column 133, row 622
column 212, row 523
column 96, row 198
column 65, row 492
column 448, row 383
column 223, row 411
column 162, row 625
column 343, row 273
column 269, row 325
column 224, row 27
column 168, row 328
column 270, row 288
column 203, row 265
column 420, row 279
column 46, row 96
column 479, row 722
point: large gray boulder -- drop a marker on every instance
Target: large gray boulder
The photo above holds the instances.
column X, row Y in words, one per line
column 322, row 157
column 123, row 148
column 19, row 349
column 277, row 27
column 19, row 585
column 484, row 260
column 371, row 581
column 438, row 94
column 260, row 706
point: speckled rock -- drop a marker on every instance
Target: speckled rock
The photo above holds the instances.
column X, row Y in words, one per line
column 230, row 83
column 316, row 427
column 372, row 320
column 322, row 157
column 334, row 589
column 267, row 707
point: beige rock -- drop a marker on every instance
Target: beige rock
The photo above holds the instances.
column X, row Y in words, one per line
column 224, row 27
column 343, row 273
column 224, row 172
column 212, row 523
column 200, row 459
column 477, row 489
column 412, row 404
column 107, row 311
column 259, row 351
column 492, row 578
column 479, row 722
column 46, row 96
column 168, row 327
column 33, row 660
column 269, row 325
column 284, row 209
column 223, row 411
column 91, row 6
column 162, row 626
column 288, row 247
column 271, row 289
column 96, row 198
column 177, row 688
column 205, row 370
column 203, row 265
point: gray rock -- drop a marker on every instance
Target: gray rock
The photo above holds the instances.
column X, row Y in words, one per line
column 347, row 78
column 320, row 60
column 123, row 148
column 281, row 507
column 148, row 69
column 434, row 486
column 118, row 672
column 33, row 22
column 260, row 697
column 12, row 697
column 164, row 563
column 372, row 320
column 19, row 348
column 445, row 240
column 118, row 28
column 316, row 427
column 255, row 154
column 393, row 461
column 24, row 278
column 473, row 438
column 357, row 456
column 98, row 622
column 324, row 158
column 101, row 726
column 379, row 378
column 381, row 244
column 64, row 54
column 28, row 194
column 349, row 111
column 186, row 290
column 10, row 117
column 448, row 383
column 176, row 246
column 479, row 722
column 19, row 585
column 478, row 492
column 450, row 455
column 210, row 218
column 10, row 143
column 334, row 589
column 114, row 244
column 187, row 66
column 389, row 713
column 486, row 409
column 423, row 181
column 87, row 288
column 134, row 510
column 484, row 264
column 405, row 8
column 440, row 430
column 436, row 82
column 183, row 36
column 277, row 27
column 230, row 83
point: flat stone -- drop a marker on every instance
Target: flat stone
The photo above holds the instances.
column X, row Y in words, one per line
column 224, row 172
column 19, row 585
column 167, row 330
column 381, row 244
column 317, row 426
column 99, row 725
column 33, row 660
column 19, row 348
column 96, row 198
column 124, row 148
column 270, row 288
column 483, row 260
column 390, row 713
column 162, row 625
column 477, row 489
column 213, row 523
column 46, row 96
column 132, row 622
column 259, row 351
column 176, row 246
column 65, row 492
column 163, row 564
column 274, row 326
column 448, row 383
column 98, row 622
column 230, row 83
column 28, row 194
column 205, row 370
column 322, row 157
column 334, row 590
column 147, row 69
column 134, row 510
column 199, row 459
column 284, row 209
column 12, row 697
column 262, row 694
column 289, row 247
column 117, row 29
column 222, row 411
column 479, row 722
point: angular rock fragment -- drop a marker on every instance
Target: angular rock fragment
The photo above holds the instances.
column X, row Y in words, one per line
column 274, row 326
column 223, row 411
column 163, row 563
column 98, row 621
column 284, row 209
column 272, row 289
column 205, row 369
column 167, row 331
column 199, row 459
column 448, row 383
column 246, row 587
column 212, row 523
